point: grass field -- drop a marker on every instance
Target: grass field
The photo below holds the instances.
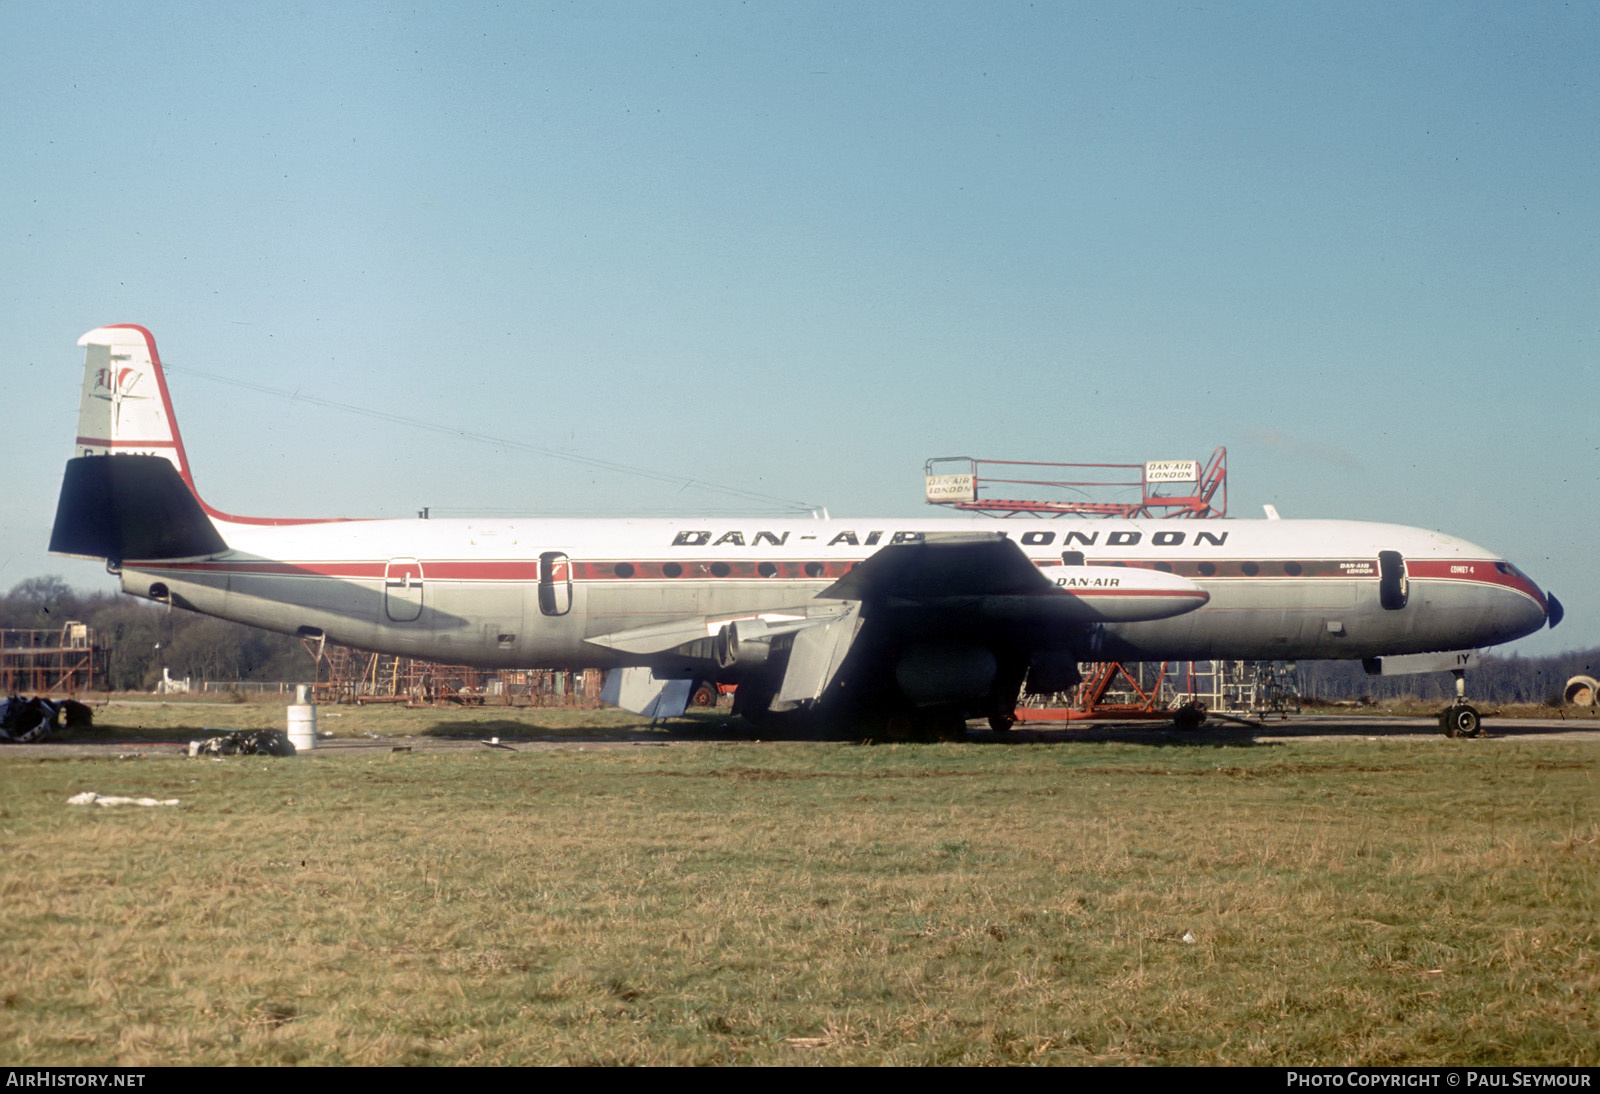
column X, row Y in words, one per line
column 1346, row 901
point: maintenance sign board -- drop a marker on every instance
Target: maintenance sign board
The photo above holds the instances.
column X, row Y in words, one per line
column 1172, row 471
column 951, row 488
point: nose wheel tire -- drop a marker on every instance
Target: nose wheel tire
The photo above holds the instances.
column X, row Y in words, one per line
column 1460, row 721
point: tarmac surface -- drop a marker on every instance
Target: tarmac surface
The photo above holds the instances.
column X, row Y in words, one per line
column 1218, row 730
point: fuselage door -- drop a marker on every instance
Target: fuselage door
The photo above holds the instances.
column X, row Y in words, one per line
column 1393, row 584
column 402, row 589
column 555, row 583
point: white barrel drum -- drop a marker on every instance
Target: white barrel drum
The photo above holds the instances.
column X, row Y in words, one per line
column 302, row 720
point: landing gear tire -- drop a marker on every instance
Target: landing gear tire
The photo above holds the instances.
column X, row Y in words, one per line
column 1001, row 723
column 752, row 702
column 1461, row 721
column 704, row 696
column 1189, row 716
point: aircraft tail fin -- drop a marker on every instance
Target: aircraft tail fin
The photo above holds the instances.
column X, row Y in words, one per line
column 125, row 408
column 130, row 507
column 127, row 492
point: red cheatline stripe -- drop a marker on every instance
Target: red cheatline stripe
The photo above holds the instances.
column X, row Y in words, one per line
column 480, row 571
column 273, row 569
column 508, row 570
column 1197, row 595
column 450, row 570
column 528, row 570
column 1477, row 571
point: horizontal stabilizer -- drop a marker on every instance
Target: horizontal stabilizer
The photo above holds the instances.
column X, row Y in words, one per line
column 130, row 507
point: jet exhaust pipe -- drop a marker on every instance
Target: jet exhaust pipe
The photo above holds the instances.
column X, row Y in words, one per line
column 1581, row 691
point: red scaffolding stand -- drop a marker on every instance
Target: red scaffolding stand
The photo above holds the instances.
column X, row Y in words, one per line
column 1157, row 488
column 1129, row 697
column 59, row 661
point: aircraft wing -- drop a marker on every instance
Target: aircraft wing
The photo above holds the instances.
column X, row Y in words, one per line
column 655, row 638
column 941, row 565
column 941, row 581
column 932, row 611
column 695, row 637
column 936, row 600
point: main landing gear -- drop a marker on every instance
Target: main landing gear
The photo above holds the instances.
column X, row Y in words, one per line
column 1460, row 719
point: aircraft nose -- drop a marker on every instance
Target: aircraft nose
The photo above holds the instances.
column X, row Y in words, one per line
column 1556, row 613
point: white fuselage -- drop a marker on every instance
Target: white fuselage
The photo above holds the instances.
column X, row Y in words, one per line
column 531, row 593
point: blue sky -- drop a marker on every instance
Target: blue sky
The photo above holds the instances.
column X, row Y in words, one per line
column 797, row 249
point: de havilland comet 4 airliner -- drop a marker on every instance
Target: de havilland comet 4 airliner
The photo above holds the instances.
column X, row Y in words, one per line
column 907, row 624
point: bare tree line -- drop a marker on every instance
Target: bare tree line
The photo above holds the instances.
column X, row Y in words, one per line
column 142, row 638
column 1498, row 679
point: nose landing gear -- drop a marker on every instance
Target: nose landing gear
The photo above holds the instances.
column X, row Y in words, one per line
column 1460, row 719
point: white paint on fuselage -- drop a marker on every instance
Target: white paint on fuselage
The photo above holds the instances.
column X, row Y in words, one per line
column 1264, row 616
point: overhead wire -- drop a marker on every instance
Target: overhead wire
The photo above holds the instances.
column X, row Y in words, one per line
column 679, row 481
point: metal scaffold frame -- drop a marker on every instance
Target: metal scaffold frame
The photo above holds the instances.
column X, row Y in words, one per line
column 1154, row 690
column 1245, row 687
column 1183, row 489
column 60, row 661
column 1166, row 488
column 348, row 675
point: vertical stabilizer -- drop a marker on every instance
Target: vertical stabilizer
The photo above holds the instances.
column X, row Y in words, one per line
column 125, row 409
column 141, row 503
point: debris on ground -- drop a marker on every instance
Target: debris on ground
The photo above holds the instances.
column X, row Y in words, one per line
column 89, row 797
column 245, row 742
column 75, row 715
column 29, row 720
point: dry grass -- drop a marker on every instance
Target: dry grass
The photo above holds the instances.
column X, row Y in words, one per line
column 1347, row 902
